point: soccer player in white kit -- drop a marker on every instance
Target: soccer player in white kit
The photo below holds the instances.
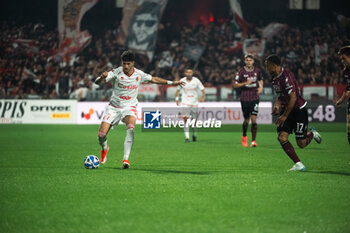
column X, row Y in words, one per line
column 126, row 80
column 189, row 100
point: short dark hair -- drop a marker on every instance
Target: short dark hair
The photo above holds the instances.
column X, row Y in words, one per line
column 128, row 56
column 274, row 59
column 344, row 50
column 188, row 68
column 249, row 56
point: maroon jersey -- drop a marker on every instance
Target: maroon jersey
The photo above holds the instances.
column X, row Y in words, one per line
column 249, row 92
column 283, row 85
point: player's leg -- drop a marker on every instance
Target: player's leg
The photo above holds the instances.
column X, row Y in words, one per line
column 246, row 114
column 244, row 130
column 254, row 127
column 194, row 135
column 102, row 139
column 186, row 130
column 130, row 122
column 303, row 137
column 283, row 134
column 185, row 114
column 102, row 134
column 303, row 142
column 194, row 115
column 111, row 117
column 289, row 150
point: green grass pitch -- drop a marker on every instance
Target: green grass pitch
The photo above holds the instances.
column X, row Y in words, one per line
column 213, row 185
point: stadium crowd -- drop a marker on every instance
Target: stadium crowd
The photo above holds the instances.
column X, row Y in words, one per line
column 29, row 67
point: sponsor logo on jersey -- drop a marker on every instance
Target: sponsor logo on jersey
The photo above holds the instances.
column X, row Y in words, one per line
column 131, row 87
column 124, row 97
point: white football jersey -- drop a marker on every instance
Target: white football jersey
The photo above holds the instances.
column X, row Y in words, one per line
column 125, row 87
column 189, row 92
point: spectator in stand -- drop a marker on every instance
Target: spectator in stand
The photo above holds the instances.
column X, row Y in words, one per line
column 27, row 49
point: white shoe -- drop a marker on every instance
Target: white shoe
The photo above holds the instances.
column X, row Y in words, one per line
column 317, row 136
column 298, row 167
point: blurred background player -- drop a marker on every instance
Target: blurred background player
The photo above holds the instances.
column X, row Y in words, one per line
column 344, row 53
column 122, row 106
column 293, row 113
column 249, row 79
column 189, row 100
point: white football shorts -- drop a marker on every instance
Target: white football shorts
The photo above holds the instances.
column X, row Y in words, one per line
column 113, row 115
column 189, row 112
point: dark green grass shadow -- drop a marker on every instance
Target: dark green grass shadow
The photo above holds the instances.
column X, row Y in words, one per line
column 167, row 171
column 340, row 173
column 160, row 171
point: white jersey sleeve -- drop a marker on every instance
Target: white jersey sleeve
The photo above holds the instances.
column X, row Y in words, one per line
column 200, row 85
column 111, row 75
column 145, row 78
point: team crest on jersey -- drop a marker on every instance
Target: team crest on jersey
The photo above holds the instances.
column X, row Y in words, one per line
column 137, row 78
column 122, row 78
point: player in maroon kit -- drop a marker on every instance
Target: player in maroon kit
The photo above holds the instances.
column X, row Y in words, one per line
column 344, row 53
column 249, row 79
column 293, row 113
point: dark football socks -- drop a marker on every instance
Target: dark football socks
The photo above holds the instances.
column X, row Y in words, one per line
column 309, row 137
column 254, row 130
column 289, row 149
column 245, row 128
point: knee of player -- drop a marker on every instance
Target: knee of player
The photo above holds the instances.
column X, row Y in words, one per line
column 101, row 134
column 282, row 138
column 130, row 127
column 301, row 143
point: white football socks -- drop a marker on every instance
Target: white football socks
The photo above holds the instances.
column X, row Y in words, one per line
column 102, row 139
column 187, row 132
column 129, row 141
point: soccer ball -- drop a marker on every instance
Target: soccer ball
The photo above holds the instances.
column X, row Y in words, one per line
column 91, row 162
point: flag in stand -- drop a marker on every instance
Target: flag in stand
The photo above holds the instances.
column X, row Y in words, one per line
column 238, row 23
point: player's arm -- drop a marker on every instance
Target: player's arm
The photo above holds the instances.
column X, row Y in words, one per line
column 261, row 85
column 202, row 98
column 292, row 100
column 238, row 85
column 177, row 97
column 158, row 80
column 102, row 78
column 276, row 107
column 346, row 94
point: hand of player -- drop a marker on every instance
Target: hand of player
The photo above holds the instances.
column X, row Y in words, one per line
column 338, row 103
column 178, row 102
column 249, row 81
column 201, row 99
column 259, row 91
column 104, row 74
column 280, row 121
column 181, row 83
column 275, row 111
